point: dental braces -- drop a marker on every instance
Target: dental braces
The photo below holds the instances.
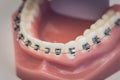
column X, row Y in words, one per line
column 58, row 51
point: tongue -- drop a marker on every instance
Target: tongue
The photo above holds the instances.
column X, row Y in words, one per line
column 58, row 28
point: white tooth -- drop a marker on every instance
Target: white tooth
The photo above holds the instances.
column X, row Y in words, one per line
column 69, row 45
column 58, row 46
column 100, row 31
column 86, row 32
column 47, row 45
column 93, row 27
column 110, row 13
column 99, row 23
column 91, row 35
column 114, row 19
column 80, row 41
column 107, row 16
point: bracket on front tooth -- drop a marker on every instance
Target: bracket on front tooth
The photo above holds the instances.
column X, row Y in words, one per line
column 58, row 51
column 72, row 50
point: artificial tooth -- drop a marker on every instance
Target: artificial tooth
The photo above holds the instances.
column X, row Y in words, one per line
column 81, row 40
column 47, row 47
column 109, row 14
column 91, row 35
column 93, row 27
column 27, row 43
column 86, row 32
column 101, row 31
column 99, row 23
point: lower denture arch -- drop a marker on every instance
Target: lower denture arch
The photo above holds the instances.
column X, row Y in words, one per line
column 74, row 71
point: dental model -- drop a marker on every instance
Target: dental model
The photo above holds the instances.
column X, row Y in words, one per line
column 94, row 36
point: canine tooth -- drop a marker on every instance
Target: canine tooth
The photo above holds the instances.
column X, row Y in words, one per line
column 70, row 48
column 91, row 35
column 80, row 42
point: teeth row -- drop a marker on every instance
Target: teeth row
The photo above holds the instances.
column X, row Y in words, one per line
column 83, row 43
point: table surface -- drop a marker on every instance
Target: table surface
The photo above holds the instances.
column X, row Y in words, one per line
column 7, row 61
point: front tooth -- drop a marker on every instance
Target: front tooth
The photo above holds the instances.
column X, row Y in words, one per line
column 58, row 48
column 70, row 49
column 47, row 47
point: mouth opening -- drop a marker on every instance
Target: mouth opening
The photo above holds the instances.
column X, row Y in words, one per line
column 54, row 27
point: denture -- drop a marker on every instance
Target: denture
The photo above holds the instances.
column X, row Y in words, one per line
column 83, row 58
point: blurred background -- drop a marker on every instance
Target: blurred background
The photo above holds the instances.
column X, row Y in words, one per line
column 7, row 60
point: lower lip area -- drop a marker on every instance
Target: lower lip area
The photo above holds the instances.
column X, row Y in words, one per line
column 89, row 67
